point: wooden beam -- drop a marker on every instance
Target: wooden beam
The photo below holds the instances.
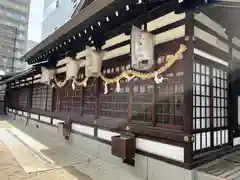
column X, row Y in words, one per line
column 188, row 88
column 82, row 100
column 232, row 122
column 97, row 91
column 46, row 98
column 130, row 96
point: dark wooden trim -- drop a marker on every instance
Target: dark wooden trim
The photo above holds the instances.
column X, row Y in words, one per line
column 154, row 98
column 97, row 92
column 205, row 60
column 213, row 156
column 210, row 129
column 97, row 113
column 232, row 122
column 53, row 107
column 130, row 95
column 202, row 45
column 212, row 32
column 188, row 87
column 203, row 153
column 143, row 123
column 30, row 98
column 173, row 135
column 211, row 108
column 46, row 100
column 170, row 126
column 118, row 125
column 82, row 100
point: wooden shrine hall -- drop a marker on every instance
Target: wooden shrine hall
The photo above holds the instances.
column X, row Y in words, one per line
column 153, row 82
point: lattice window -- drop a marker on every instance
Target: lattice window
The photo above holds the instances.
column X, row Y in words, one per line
column 23, row 100
column 114, row 104
column 49, row 98
column 89, row 106
column 201, row 98
column 219, row 98
column 169, row 94
column 2, row 91
column 12, row 97
column 42, row 97
column 68, row 100
column 169, row 103
column 209, row 105
column 142, row 100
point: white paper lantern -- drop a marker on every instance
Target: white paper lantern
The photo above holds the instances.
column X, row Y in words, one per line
column 72, row 68
column 47, row 75
column 94, row 62
column 142, row 49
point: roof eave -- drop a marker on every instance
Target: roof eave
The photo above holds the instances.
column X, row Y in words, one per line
column 72, row 26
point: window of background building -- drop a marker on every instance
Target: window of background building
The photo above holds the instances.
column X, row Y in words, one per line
column 57, row 3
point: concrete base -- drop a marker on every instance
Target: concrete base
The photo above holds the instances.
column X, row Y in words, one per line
column 105, row 166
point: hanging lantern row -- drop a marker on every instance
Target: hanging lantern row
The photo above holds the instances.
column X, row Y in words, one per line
column 142, row 58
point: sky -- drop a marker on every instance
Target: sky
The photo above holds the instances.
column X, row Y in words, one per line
column 35, row 20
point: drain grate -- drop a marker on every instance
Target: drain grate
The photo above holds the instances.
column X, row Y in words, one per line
column 37, row 154
column 228, row 168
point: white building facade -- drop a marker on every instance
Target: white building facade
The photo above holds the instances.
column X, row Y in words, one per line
column 15, row 14
column 56, row 13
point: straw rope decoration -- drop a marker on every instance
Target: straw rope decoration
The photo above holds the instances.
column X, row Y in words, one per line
column 130, row 74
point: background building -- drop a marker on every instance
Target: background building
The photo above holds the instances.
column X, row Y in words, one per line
column 14, row 28
column 56, row 13
column 31, row 44
column 7, row 47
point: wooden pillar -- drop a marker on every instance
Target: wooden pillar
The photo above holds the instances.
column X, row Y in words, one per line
column 232, row 122
column 30, row 101
column 130, row 84
column 82, row 100
column 5, row 104
column 19, row 92
column 53, row 106
column 30, row 94
column 97, row 93
column 46, row 99
column 97, row 113
column 188, row 88
column 154, row 97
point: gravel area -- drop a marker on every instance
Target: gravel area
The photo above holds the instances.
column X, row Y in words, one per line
column 11, row 170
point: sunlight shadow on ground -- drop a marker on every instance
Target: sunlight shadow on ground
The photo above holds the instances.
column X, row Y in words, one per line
column 52, row 151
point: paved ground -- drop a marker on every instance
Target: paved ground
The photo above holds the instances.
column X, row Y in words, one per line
column 11, row 170
column 16, row 158
column 39, row 151
column 227, row 168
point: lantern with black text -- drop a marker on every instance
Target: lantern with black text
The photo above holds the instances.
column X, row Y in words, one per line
column 72, row 68
column 47, row 75
column 142, row 49
column 94, row 60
